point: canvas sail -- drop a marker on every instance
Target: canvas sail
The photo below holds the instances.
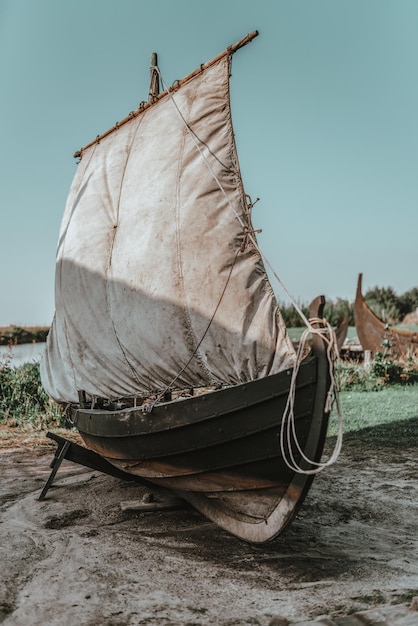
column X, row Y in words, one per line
column 157, row 281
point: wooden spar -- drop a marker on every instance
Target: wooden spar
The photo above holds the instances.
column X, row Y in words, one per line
column 154, row 88
column 145, row 105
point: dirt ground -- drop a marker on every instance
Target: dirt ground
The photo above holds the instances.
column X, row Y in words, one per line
column 78, row 558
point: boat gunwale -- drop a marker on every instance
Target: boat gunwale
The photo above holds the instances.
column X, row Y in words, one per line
column 162, row 419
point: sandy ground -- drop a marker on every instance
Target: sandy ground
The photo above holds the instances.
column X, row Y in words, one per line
column 78, row 558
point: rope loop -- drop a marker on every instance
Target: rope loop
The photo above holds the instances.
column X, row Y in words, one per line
column 288, row 435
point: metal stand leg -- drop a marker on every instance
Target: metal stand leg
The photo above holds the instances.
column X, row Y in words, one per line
column 55, row 464
column 87, row 458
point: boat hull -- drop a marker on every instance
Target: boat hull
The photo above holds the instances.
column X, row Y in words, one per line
column 221, row 451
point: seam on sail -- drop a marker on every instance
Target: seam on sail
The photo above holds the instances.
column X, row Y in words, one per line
column 197, row 141
column 158, row 398
column 109, row 261
column 310, row 328
column 248, row 229
column 195, row 343
column 245, row 220
column 235, row 171
column 252, row 238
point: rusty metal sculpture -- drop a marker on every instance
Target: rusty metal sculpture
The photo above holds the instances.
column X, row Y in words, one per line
column 375, row 335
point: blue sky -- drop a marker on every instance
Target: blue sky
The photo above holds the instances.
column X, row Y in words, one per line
column 324, row 103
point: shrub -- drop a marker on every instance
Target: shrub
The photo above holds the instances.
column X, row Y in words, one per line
column 351, row 375
column 382, row 371
column 395, row 370
column 23, row 401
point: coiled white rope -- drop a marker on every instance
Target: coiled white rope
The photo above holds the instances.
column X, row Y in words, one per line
column 288, row 435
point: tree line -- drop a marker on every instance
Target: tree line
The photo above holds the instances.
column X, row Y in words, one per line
column 383, row 301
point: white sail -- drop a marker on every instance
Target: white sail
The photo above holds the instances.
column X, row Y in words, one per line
column 157, row 283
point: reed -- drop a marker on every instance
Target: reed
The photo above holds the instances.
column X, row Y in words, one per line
column 23, row 401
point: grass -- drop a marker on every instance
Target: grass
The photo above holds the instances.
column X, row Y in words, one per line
column 395, row 405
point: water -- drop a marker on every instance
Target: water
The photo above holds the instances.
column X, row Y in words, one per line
column 20, row 354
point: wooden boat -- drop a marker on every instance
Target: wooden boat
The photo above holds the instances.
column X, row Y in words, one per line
column 167, row 342
column 341, row 331
column 376, row 335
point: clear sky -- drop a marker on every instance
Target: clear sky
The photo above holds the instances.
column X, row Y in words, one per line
column 325, row 112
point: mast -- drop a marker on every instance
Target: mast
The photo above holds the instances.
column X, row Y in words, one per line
column 154, row 88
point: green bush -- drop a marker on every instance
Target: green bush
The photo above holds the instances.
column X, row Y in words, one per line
column 23, row 401
column 395, row 371
column 382, row 371
column 351, row 375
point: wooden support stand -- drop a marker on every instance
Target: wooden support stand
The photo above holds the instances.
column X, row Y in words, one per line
column 83, row 456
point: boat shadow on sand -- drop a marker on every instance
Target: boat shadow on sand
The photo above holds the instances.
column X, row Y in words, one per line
column 345, row 543
column 396, row 434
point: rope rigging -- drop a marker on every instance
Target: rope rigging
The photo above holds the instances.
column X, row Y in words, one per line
column 288, row 435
